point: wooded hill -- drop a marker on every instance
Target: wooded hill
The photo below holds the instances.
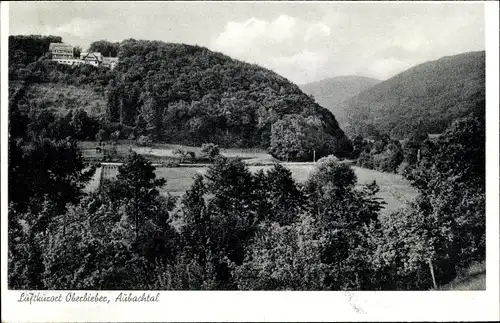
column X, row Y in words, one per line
column 186, row 94
column 189, row 94
column 424, row 98
column 329, row 93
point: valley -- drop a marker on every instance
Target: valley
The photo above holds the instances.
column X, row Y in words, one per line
column 350, row 183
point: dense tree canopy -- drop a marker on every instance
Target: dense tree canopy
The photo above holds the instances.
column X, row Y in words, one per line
column 188, row 94
column 28, row 49
column 106, row 48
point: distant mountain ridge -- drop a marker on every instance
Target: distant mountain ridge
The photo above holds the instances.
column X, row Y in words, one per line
column 424, row 98
column 332, row 91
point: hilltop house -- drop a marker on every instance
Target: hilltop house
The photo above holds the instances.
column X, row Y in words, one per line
column 94, row 59
column 63, row 54
column 61, row 51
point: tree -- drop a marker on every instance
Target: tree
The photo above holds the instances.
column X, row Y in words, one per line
column 291, row 139
column 106, row 48
column 77, row 50
column 27, row 49
column 280, row 199
column 102, row 135
column 45, row 169
column 137, row 188
column 92, row 247
column 144, row 141
column 450, row 210
column 210, row 150
column 115, row 136
column 232, row 211
column 181, row 153
column 359, row 145
column 284, row 258
column 196, row 230
column 342, row 213
column 83, row 125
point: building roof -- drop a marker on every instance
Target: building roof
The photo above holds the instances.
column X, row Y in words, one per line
column 94, row 55
column 53, row 46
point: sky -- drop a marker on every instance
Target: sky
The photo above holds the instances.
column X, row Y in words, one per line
column 305, row 42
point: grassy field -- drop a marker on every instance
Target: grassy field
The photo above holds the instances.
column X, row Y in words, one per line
column 62, row 98
column 165, row 152
column 393, row 188
column 474, row 278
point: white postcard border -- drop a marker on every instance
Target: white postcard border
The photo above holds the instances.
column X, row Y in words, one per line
column 196, row 306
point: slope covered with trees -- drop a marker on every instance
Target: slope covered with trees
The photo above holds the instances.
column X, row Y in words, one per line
column 329, row 93
column 260, row 231
column 425, row 98
column 185, row 94
column 191, row 95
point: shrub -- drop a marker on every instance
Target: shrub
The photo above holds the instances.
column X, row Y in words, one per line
column 210, row 150
column 144, row 141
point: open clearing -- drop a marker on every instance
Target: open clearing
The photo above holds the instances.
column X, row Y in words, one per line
column 473, row 278
column 394, row 190
column 166, row 152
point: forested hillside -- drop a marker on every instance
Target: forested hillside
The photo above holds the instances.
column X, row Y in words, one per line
column 425, row 98
column 185, row 94
column 188, row 94
column 61, row 99
column 329, row 93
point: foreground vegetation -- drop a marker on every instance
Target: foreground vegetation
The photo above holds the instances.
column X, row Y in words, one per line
column 244, row 230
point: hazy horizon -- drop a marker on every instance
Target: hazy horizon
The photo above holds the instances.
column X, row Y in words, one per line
column 304, row 42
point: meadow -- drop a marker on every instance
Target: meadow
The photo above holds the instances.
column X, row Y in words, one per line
column 163, row 153
column 394, row 189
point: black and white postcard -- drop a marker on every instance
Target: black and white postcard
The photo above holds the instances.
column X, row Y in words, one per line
column 249, row 161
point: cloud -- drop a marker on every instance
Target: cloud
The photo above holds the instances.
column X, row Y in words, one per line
column 286, row 44
column 78, row 27
column 303, row 65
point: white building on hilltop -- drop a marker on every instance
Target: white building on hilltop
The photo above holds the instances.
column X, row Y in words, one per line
column 61, row 51
column 63, row 54
column 94, row 59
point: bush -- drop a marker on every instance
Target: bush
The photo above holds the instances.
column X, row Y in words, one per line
column 144, row 141
column 102, row 135
column 210, row 150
